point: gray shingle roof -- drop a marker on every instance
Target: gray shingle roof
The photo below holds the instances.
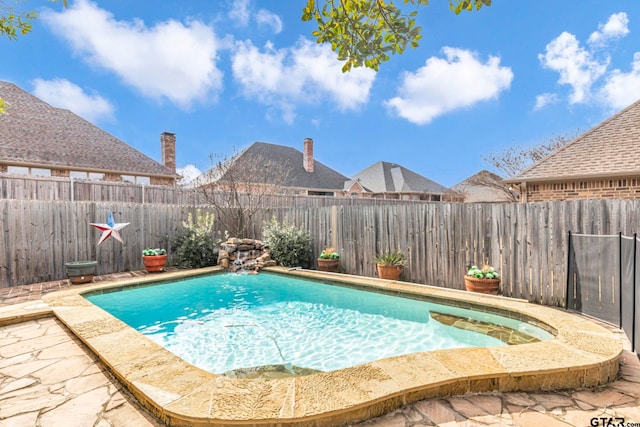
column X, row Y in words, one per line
column 385, row 177
column 280, row 156
column 33, row 132
column 611, row 148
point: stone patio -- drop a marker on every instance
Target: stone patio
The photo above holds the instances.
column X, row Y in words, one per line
column 49, row 378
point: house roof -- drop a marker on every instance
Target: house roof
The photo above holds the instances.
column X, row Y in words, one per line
column 385, row 177
column 484, row 186
column 291, row 160
column 609, row 149
column 34, row 133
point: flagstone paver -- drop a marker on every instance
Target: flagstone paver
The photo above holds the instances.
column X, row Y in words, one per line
column 49, row 378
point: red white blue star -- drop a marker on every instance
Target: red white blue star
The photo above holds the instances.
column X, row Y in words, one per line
column 110, row 229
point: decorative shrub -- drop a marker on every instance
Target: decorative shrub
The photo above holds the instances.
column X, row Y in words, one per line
column 329, row 253
column 289, row 246
column 486, row 272
column 196, row 243
column 154, row 252
column 391, row 258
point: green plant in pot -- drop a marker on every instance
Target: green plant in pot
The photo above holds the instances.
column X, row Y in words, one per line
column 485, row 280
column 328, row 260
column 154, row 259
column 390, row 265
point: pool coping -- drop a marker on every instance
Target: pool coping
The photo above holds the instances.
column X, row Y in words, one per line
column 582, row 354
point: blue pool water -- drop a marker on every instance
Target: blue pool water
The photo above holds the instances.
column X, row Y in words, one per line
column 226, row 321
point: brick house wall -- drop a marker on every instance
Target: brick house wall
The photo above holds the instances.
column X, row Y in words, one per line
column 610, row 188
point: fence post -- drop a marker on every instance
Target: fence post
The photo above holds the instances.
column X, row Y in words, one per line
column 334, row 226
column 566, row 295
column 620, row 278
column 633, row 313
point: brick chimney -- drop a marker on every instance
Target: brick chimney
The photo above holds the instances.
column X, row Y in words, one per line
column 168, row 146
column 307, row 156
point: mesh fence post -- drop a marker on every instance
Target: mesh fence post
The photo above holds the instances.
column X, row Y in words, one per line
column 635, row 286
column 620, row 278
column 566, row 295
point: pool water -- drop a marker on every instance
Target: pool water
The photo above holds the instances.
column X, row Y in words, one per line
column 226, row 321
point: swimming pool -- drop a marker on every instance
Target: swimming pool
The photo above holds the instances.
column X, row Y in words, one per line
column 580, row 354
column 226, row 322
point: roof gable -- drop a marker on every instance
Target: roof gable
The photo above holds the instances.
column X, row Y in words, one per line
column 484, row 186
column 34, row 132
column 385, row 177
column 282, row 157
column 611, row 148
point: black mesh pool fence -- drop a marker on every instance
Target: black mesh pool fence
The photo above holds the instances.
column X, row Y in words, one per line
column 602, row 280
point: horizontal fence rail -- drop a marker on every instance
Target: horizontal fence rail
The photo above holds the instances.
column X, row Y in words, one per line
column 526, row 242
column 70, row 189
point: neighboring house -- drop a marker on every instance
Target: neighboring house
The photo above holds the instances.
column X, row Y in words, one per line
column 485, row 186
column 391, row 181
column 284, row 168
column 40, row 140
column 602, row 163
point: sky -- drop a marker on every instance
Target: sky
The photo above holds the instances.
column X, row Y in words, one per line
column 226, row 73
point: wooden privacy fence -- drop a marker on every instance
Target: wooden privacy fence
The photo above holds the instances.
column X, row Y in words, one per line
column 69, row 189
column 526, row 242
column 40, row 237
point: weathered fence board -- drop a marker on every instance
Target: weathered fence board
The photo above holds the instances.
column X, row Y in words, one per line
column 526, row 242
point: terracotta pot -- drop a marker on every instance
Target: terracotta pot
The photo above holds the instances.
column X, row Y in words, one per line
column 389, row 272
column 80, row 272
column 330, row 265
column 483, row 286
column 154, row 263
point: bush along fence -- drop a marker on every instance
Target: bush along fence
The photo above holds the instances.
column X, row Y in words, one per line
column 603, row 280
column 526, row 242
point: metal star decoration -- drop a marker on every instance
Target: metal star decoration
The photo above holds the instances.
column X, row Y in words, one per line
column 110, row 229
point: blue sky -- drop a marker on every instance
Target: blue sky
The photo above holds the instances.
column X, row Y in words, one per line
column 224, row 74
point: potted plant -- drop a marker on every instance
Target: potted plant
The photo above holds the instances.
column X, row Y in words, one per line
column 485, row 280
column 80, row 272
column 154, row 259
column 390, row 265
column 328, row 260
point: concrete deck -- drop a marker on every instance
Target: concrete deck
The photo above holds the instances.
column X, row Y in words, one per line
column 49, row 377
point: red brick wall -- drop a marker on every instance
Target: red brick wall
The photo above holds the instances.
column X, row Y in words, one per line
column 612, row 188
column 162, row 181
column 60, row 173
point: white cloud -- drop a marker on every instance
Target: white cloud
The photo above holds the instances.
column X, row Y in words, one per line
column 264, row 17
column 188, row 173
column 577, row 66
column 446, row 84
column 62, row 93
column 304, row 74
column 616, row 27
column 622, row 89
column 545, row 99
column 169, row 60
column 582, row 68
column 240, row 12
